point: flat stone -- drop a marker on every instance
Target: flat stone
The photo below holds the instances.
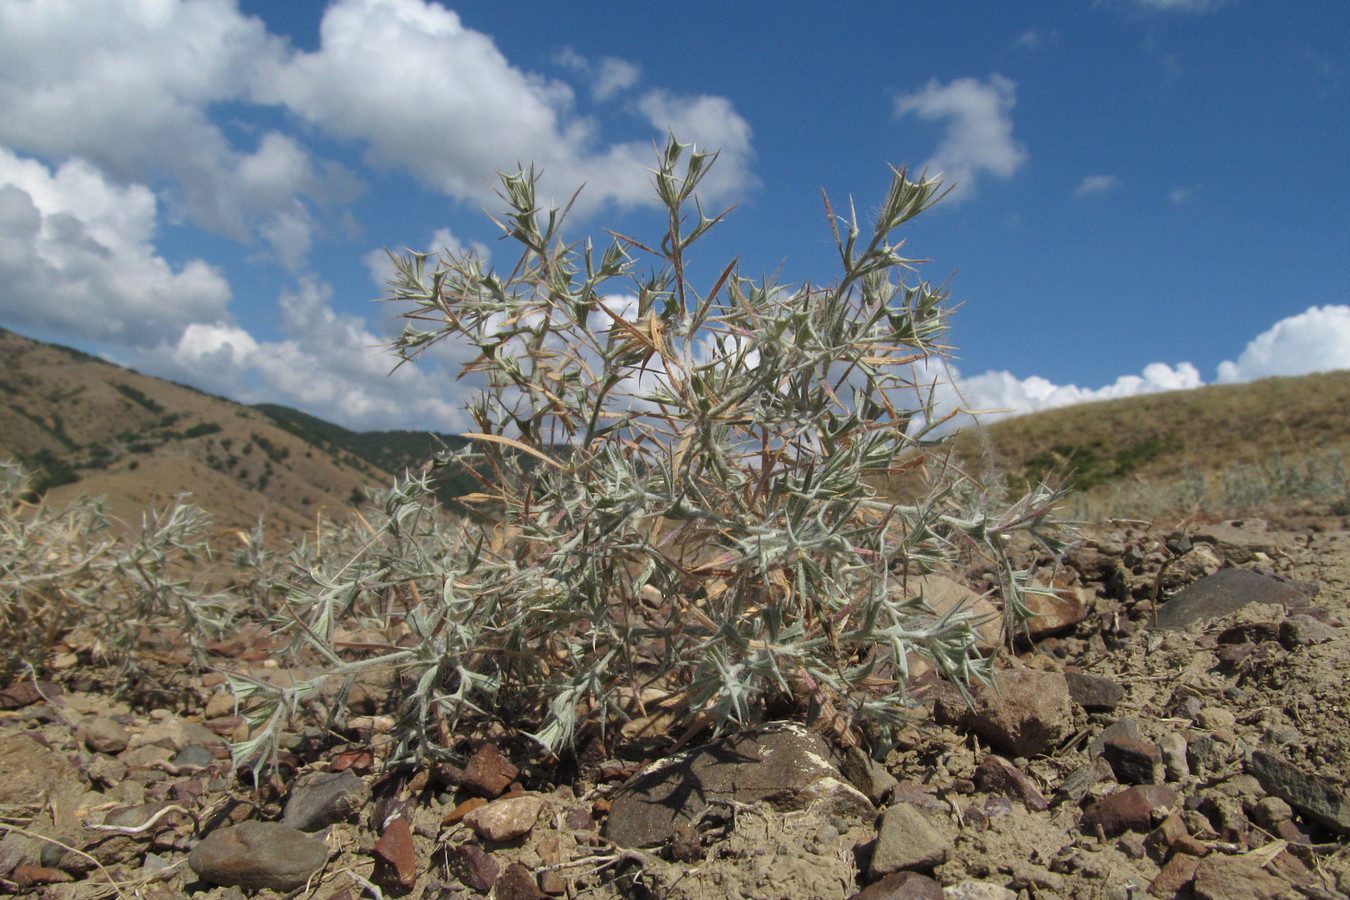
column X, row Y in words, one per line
column 1314, row 798
column 776, row 763
column 257, row 856
column 1222, row 594
column 970, row 889
column 1239, row 542
column 505, row 818
column 902, row 886
column 1219, row 877
column 1028, row 713
column 29, row 770
column 320, row 799
column 907, row 840
column 1127, row 810
column 1093, row 692
column 395, row 856
column 943, row 595
column 996, row 775
column 489, row 772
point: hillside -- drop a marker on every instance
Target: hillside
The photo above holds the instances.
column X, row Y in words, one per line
column 1218, row 447
column 86, row 426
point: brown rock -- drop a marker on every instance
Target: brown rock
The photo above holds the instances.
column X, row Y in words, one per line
column 996, row 775
column 102, row 735
column 507, row 818
column 517, row 883
column 1178, row 872
column 902, row 886
column 473, row 865
column 489, row 773
column 1235, row 878
column 1052, row 613
column 907, row 840
column 459, row 812
column 395, row 856
column 1127, row 810
column 943, row 595
column 257, row 855
column 1027, row 714
column 1093, row 692
column 29, row 876
column 1133, row 761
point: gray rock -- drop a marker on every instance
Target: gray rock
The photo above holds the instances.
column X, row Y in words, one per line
column 1134, row 761
column 1239, row 542
column 1304, row 630
column 906, row 840
column 902, row 886
column 867, row 775
column 779, row 763
column 1311, row 796
column 257, row 856
column 1093, row 692
column 1224, row 593
column 322, row 798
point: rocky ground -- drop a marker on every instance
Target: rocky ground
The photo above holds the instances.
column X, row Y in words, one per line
column 1194, row 748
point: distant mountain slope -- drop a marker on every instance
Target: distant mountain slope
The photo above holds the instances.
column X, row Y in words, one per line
column 85, row 426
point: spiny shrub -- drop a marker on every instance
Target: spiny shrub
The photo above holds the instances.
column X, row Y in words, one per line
column 678, row 490
column 67, row 569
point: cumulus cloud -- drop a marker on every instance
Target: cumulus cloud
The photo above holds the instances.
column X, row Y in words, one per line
column 128, row 87
column 77, row 257
column 979, row 135
column 330, row 364
column 1096, row 184
column 389, row 73
column 1316, row 340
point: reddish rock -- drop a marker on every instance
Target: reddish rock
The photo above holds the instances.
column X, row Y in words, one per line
column 517, row 883
column 1127, row 810
column 459, row 812
column 996, row 775
column 395, row 856
column 1175, row 875
column 502, row 820
column 28, row 876
column 489, row 773
column 473, row 866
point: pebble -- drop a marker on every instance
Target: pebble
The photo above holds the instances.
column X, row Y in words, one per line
column 1173, row 747
column 1220, row 877
column 902, row 886
column 907, row 840
column 322, row 798
column 1127, row 810
column 102, row 735
column 258, row 856
column 507, row 818
column 489, row 773
column 395, row 856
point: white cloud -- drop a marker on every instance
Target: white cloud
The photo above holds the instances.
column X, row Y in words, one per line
column 611, row 77
column 77, row 256
column 1186, row 6
column 979, row 136
column 1179, row 195
column 424, row 93
column 1096, row 184
column 1003, row 394
column 1316, row 340
column 1035, row 39
column 330, row 365
column 128, row 87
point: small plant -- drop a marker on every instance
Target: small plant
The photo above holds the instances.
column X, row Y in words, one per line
column 677, row 490
column 65, row 569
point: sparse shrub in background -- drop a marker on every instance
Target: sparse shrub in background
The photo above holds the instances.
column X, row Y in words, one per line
column 62, row 570
column 677, row 491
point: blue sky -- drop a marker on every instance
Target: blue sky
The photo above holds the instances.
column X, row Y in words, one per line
column 1150, row 194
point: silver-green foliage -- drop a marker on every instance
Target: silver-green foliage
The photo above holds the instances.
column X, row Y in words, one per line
column 67, row 569
column 679, row 486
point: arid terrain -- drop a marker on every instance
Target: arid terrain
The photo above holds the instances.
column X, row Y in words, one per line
column 1171, row 724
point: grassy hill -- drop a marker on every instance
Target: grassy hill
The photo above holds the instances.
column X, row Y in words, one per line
column 1218, row 448
column 85, row 426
